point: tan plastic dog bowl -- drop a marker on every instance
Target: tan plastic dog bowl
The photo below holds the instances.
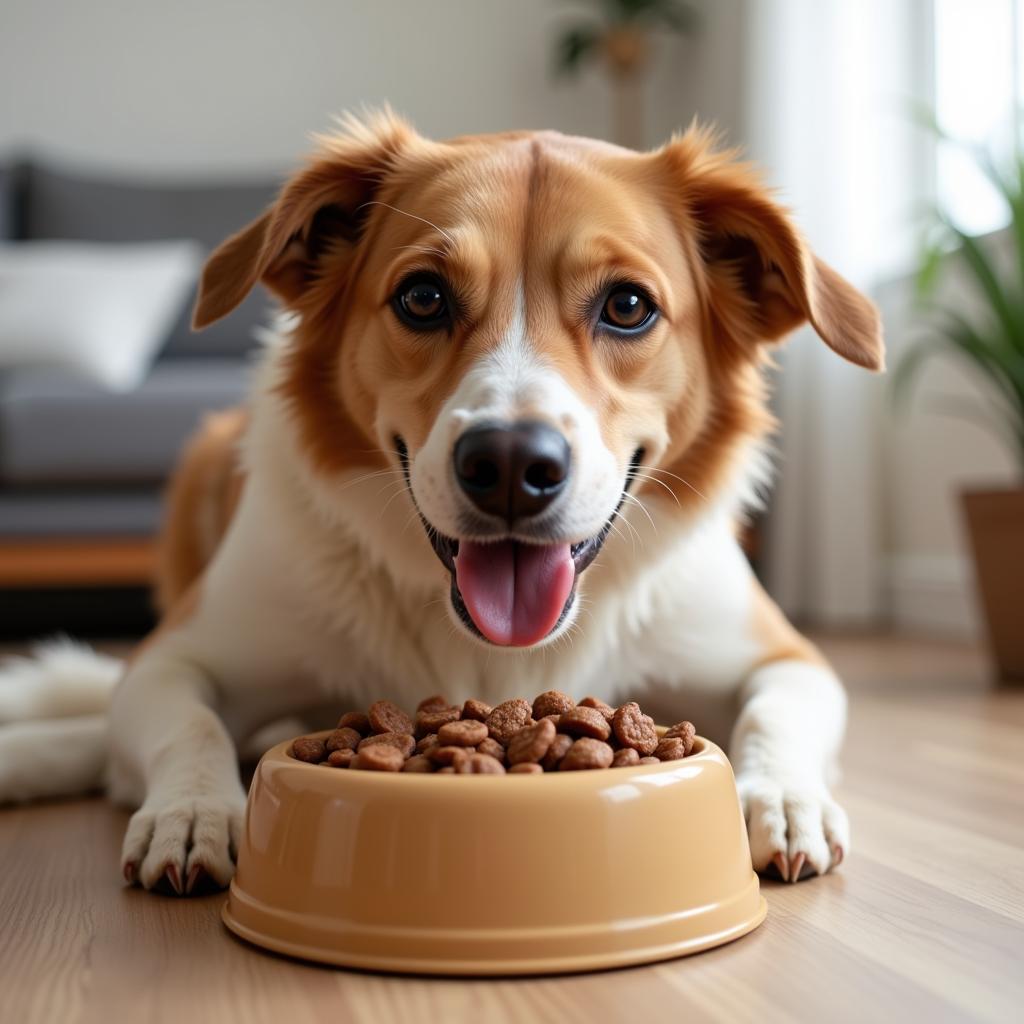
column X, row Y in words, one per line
column 486, row 874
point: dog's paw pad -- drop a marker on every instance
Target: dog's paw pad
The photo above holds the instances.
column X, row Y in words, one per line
column 794, row 833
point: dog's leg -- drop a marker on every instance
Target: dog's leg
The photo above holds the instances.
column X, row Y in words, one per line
column 784, row 745
column 164, row 729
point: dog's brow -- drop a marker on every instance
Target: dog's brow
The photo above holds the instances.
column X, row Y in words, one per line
column 377, row 202
column 428, row 249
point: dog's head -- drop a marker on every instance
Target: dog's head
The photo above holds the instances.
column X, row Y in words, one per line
column 531, row 327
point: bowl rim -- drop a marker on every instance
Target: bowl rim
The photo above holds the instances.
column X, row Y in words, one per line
column 703, row 752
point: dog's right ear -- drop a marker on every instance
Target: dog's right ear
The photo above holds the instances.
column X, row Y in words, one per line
column 319, row 212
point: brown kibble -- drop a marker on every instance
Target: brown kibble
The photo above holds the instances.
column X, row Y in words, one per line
column 355, row 720
column 386, row 716
column 431, row 721
column 670, row 748
column 462, row 733
column 507, row 719
column 428, row 741
column 634, row 729
column 491, row 746
column 581, row 721
column 625, row 758
column 531, row 743
column 587, row 753
column 435, row 703
column 560, row 746
column 343, row 738
column 447, row 755
column 401, row 741
column 598, row 705
column 478, row 764
column 514, row 737
column 685, row 731
column 476, row 711
column 379, row 757
column 552, row 702
column 309, row 749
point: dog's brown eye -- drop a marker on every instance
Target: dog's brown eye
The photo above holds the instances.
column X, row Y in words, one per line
column 422, row 303
column 627, row 309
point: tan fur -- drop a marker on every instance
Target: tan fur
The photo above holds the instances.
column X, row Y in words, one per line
column 200, row 501
column 773, row 632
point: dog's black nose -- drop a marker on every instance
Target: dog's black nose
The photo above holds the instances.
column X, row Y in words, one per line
column 512, row 471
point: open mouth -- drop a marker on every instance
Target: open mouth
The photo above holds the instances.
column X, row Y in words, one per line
column 509, row 592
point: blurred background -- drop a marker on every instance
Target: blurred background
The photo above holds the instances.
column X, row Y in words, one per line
column 134, row 135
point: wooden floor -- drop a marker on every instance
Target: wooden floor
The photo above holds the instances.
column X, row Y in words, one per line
column 924, row 921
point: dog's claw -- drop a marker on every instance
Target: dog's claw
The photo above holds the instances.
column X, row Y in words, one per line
column 796, row 867
column 837, row 856
column 173, row 875
column 782, row 863
column 129, row 872
column 195, row 875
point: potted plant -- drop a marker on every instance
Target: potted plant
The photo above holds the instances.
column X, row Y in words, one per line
column 987, row 334
column 619, row 33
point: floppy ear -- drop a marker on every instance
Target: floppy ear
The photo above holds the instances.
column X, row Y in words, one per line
column 318, row 211
column 763, row 279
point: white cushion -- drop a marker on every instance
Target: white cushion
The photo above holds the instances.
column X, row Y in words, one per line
column 100, row 309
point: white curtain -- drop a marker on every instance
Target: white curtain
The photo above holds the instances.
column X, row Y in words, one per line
column 828, row 116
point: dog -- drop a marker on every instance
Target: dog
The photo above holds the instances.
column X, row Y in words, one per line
column 501, row 444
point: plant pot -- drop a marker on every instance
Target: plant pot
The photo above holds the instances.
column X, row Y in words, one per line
column 995, row 523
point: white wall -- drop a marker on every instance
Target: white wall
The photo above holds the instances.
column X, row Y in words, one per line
column 198, row 86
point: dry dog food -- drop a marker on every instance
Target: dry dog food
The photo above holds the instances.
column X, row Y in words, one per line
column 553, row 734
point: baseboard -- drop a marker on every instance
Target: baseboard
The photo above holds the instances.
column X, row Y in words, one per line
column 933, row 594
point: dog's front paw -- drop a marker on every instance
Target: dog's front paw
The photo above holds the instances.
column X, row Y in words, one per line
column 186, row 844
column 799, row 829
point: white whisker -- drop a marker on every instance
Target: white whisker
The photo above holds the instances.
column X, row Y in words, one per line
column 430, row 249
column 376, row 202
column 676, row 476
column 369, row 476
column 643, row 508
column 660, row 483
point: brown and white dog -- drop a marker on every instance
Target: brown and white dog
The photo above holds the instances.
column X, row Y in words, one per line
column 501, row 446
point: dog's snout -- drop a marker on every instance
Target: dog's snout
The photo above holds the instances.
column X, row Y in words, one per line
column 512, row 471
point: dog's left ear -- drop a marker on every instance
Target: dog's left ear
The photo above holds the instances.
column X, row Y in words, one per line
column 320, row 210
column 763, row 280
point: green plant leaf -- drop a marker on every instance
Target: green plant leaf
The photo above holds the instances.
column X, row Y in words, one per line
column 992, row 343
column 1006, row 306
column 1003, row 369
column 932, row 260
column 573, row 47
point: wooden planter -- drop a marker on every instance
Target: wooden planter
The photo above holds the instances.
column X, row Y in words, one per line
column 995, row 522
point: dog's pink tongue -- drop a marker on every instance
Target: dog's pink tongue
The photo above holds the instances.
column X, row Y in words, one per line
column 514, row 592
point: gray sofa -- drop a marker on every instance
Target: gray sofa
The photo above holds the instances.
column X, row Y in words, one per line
column 77, row 461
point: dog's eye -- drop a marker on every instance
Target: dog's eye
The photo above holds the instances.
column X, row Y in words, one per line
column 627, row 308
column 421, row 303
